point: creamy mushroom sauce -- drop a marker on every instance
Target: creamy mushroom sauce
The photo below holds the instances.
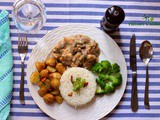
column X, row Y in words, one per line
column 77, row 51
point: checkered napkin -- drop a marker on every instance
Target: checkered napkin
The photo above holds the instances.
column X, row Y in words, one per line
column 6, row 64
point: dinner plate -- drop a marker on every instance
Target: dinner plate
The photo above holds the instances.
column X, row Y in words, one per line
column 100, row 106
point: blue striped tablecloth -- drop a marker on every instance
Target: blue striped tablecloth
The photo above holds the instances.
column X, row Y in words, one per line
column 90, row 12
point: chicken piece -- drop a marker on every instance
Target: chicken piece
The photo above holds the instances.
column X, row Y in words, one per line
column 56, row 55
column 69, row 40
column 67, row 57
column 76, row 56
column 91, row 58
column 67, row 63
column 86, row 39
column 88, row 65
column 62, row 44
column 95, row 51
column 81, row 58
column 88, row 49
column 74, row 64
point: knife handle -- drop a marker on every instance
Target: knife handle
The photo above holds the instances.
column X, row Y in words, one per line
column 134, row 96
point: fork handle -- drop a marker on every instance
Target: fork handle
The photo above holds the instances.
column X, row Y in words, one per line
column 21, row 96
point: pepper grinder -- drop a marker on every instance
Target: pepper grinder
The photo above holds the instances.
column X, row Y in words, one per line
column 114, row 16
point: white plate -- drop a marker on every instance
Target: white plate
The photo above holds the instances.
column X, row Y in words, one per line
column 101, row 105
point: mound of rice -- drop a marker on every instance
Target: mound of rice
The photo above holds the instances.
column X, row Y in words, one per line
column 85, row 94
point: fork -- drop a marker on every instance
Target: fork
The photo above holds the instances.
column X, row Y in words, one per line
column 22, row 49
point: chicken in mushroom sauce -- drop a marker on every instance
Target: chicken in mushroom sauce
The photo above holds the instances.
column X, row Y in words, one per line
column 77, row 51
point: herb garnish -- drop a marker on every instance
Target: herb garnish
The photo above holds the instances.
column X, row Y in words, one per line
column 78, row 84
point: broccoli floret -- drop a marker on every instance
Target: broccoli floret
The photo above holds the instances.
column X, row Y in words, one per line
column 109, row 88
column 99, row 90
column 101, row 83
column 115, row 68
column 106, row 66
column 97, row 68
column 115, row 79
column 102, row 77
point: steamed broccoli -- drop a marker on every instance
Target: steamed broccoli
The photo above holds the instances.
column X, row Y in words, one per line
column 115, row 68
column 103, row 77
column 101, row 83
column 103, row 67
column 108, row 83
column 109, row 77
column 108, row 89
column 97, row 68
column 115, row 79
column 106, row 66
column 99, row 90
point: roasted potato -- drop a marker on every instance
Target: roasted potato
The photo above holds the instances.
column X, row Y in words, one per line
column 51, row 62
column 48, row 98
column 55, row 83
column 44, row 73
column 41, row 84
column 55, row 92
column 59, row 99
column 60, row 68
column 42, row 91
column 47, row 83
column 35, row 78
column 40, row 66
column 51, row 69
column 55, row 75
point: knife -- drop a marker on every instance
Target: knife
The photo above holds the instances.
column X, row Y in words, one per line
column 133, row 66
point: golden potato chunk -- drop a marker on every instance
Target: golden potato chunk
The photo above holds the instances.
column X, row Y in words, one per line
column 51, row 69
column 48, row 98
column 40, row 66
column 55, row 75
column 51, row 62
column 35, row 78
column 47, row 83
column 44, row 73
column 59, row 99
column 41, row 84
column 55, row 83
column 60, row 68
column 42, row 91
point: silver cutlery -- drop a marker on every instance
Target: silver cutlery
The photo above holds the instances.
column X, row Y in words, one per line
column 146, row 53
column 22, row 49
column 133, row 66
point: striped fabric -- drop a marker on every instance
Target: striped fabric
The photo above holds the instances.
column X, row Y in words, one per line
column 90, row 12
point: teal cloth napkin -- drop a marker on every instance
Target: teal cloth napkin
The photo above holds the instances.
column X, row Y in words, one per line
column 6, row 64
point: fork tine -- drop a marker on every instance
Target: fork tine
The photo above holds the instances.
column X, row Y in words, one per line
column 19, row 39
column 26, row 41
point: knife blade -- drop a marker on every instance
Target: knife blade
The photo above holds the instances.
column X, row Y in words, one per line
column 133, row 66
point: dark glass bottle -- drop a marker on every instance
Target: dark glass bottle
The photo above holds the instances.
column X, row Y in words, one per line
column 114, row 16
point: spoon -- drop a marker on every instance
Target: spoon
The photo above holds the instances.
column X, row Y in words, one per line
column 146, row 53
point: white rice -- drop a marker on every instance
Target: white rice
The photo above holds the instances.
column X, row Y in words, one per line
column 86, row 93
